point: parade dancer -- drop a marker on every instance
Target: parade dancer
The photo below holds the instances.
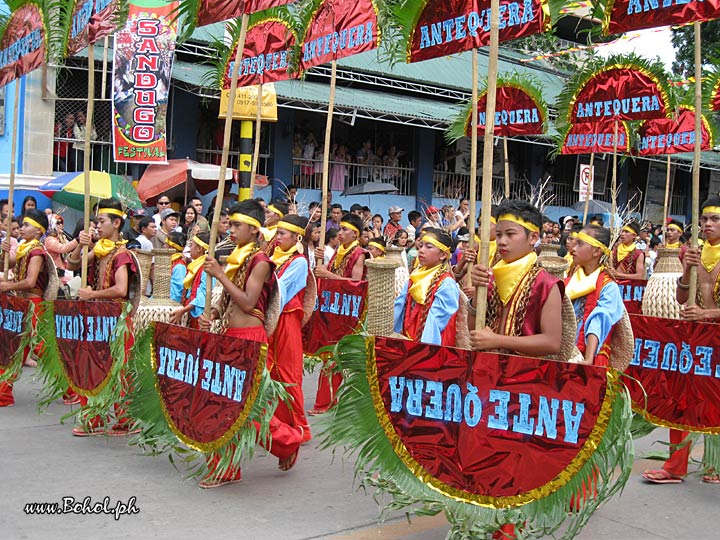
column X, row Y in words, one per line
column 348, row 263
column 285, row 352
column 247, row 282
column 178, row 266
column 31, row 275
column 707, row 308
column 427, row 306
column 377, row 247
column 471, row 255
column 274, row 212
column 194, row 283
column 111, row 268
column 628, row 261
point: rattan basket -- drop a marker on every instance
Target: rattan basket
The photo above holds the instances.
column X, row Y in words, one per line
column 556, row 266
column 145, row 260
column 568, row 342
column 154, row 310
column 381, row 295
column 163, row 273
column 622, row 344
column 668, row 261
column 659, row 297
column 53, row 286
column 548, row 250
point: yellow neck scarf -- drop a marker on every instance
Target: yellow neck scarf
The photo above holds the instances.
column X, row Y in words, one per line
column 192, row 269
column 420, row 281
column 175, row 256
column 676, row 245
column 710, row 256
column 623, row 251
column 105, row 247
column 236, row 259
column 581, row 284
column 568, row 257
column 491, row 251
column 509, row 275
column 25, row 248
column 342, row 252
column 279, row 256
column 269, row 232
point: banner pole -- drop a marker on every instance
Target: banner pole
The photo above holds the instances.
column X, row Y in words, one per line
column 614, row 179
column 666, row 204
column 86, row 159
column 473, row 158
column 507, row 169
column 256, row 150
column 587, row 195
column 11, row 187
column 225, row 153
column 104, row 68
column 481, row 292
column 326, row 154
column 692, row 293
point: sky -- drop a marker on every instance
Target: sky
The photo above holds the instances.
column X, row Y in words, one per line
column 646, row 43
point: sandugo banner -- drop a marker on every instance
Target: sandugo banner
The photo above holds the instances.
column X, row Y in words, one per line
column 207, row 383
column 339, row 310
column 22, row 46
column 632, row 291
column 677, row 363
column 90, row 21
column 142, row 64
column 12, row 325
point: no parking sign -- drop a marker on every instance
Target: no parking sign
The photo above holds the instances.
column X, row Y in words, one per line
column 587, row 176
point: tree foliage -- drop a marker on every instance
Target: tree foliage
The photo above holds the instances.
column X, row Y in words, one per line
column 683, row 39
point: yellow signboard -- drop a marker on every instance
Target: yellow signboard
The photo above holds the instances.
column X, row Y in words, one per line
column 246, row 103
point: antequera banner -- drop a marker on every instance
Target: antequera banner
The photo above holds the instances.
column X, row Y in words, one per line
column 22, row 46
column 517, row 112
column 144, row 52
column 339, row 309
column 632, row 291
column 12, row 325
column 673, row 135
column 625, row 15
column 91, row 20
column 596, row 137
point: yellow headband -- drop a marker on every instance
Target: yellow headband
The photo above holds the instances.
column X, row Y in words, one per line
column 111, row 211
column 677, row 227
column 34, row 223
column 628, row 229
column 172, row 244
column 200, row 243
column 350, row 226
column 437, row 243
column 290, row 227
column 520, row 221
column 274, row 209
column 594, row 242
column 711, row 210
column 242, row 218
column 377, row 245
column 493, row 220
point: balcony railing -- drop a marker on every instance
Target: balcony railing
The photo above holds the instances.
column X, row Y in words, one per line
column 307, row 174
column 211, row 155
column 453, row 185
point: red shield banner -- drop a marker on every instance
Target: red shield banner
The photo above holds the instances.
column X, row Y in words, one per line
column 624, row 93
column 678, row 365
column 715, row 96
column 672, row 135
column 207, row 383
column 143, row 59
column 212, row 11
column 596, row 137
column 457, row 418
column 632, row 291
column 22, row 47
column 12, row 325
column 447, row 27
column 339, row 309
column 91, row 20
column 83, row 332
column 624, row 15
column 268, row 49
column 516, row 113
column 339, row 28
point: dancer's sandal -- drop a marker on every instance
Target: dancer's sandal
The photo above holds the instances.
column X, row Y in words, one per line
column 660, row 476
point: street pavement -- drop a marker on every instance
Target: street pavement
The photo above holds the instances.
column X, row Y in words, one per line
column 40, row 461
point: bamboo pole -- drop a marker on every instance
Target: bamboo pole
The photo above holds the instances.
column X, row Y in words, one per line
column 256, row 150
column 507, row 168
column 613, row 195
column 225, row 153
column 667, row 200
column 473, row 157
column 692, row 293
column 11, row 187
column 326, row 154
column 481, row 292
column 589, row 192
column 86, row 159
column 104, row 68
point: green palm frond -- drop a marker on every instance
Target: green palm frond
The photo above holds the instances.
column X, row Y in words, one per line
column 352, row 425
column 49, row 370
column 186, row 14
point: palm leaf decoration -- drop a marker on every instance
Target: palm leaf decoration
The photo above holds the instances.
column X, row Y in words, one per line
column 461, row 123
column 65, row 21
column 353, row 426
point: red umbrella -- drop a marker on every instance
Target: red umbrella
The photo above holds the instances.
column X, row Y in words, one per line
column 179, row 177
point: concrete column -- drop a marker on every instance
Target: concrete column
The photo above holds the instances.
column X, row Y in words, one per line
column 37, row 118
column 422, row 178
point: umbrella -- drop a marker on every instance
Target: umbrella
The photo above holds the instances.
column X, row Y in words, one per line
column 371, row 187
column 594, row 207
column 173, row 177
column 68, row 189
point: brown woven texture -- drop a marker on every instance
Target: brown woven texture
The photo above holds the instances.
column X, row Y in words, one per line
column 153, row 310
column 568, row 342
column 381, row 296
column 622, row 343
column 548, row 250
column 310, row 298
column 272, row 312
column 53, row 286
column 162, row 275
column 144, row 259
column 462, row 330
column 659, row 297
column 668, row 261
column 135, row 289
column 557, row 266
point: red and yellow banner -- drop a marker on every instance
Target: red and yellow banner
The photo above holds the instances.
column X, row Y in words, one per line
column 624, row 15
column 90, row 21
column 339, row 28
column 212, row 11
column 672, row 135
column 22, row 47
column 83, row 332
column 12, row 325
column 339, row 310
column 677, row 363
column 632, row 291
column 599, row 137
column 207, row 383
column 446, row 27
column 142, row 64
column 457, row 418
column 516, row 113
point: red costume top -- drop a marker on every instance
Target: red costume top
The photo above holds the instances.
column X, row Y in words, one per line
column 346, row 266
column 240, row 280
column 43, row 279
column 416, row 316
column 629, row 264
column 103, row 270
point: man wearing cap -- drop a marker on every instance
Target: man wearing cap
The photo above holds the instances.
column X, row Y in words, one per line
column 393, row 224
column 628, row 262
column 168, row 223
